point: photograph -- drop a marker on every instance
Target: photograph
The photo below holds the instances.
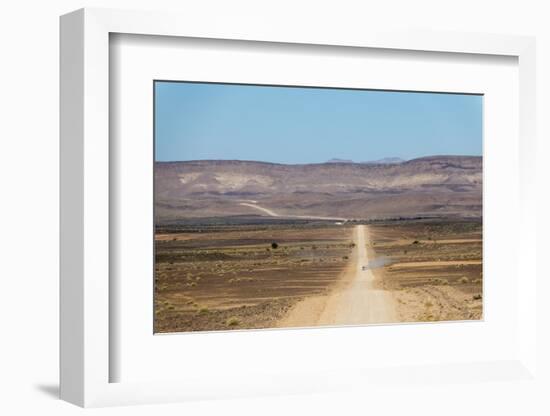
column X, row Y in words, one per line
column 302, row 206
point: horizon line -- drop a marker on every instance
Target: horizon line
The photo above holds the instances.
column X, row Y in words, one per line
column 334, row 161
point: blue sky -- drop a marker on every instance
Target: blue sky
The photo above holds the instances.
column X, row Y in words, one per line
column 196, row 121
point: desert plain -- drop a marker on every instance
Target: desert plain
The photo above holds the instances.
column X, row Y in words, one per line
column 250, row 245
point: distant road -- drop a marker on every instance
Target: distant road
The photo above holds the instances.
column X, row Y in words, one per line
column 272, row 213
column 267, row 211
column 355, row 300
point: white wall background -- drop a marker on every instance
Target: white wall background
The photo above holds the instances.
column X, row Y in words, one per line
column 29, row 205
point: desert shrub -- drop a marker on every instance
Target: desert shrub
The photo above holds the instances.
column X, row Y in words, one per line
column 233, row 321
column 416, row 242
column 477, row 297
column 345, row 257
column 274, row 245
column 203, row 310
column 463, row 280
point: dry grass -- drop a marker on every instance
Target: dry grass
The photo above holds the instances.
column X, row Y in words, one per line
column 233, row 321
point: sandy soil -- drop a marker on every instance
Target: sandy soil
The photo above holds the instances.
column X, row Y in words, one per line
column 223, row 277
column 436, row 303
column 355, row 299
column 433, row 264
column 230, row 277
column 434, row 269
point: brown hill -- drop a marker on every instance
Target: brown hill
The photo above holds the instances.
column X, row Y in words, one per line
column 435, row 185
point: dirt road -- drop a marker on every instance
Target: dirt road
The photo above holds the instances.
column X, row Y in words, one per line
column 354, row 300
column 272, row 213
column 264, row 210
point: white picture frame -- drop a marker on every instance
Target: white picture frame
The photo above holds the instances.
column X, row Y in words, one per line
column 85, row 211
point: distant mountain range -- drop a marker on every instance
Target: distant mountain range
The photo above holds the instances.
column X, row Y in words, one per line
column 386, row 188
column 336, row 160
column 386, row 160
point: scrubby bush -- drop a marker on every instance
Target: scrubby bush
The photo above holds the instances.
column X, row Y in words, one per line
column 274, row 245
column 233, row 321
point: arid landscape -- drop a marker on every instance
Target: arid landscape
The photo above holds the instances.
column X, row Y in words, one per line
column 292, row 206
column 433, row 269
column 244, row 245
column 430, row 186
column 244, row 276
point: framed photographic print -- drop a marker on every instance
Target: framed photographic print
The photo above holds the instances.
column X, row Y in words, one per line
column 258, row 226
column 263, row 211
